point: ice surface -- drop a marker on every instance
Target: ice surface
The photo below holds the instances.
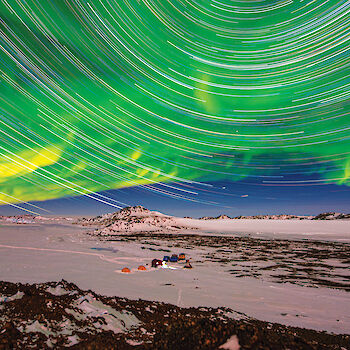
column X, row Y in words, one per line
column 114, row 321
column 58, row 290
column 36, row 326
column 5, row 299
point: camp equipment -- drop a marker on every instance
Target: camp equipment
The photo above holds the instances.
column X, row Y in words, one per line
column 156, row 262
column 174, row 258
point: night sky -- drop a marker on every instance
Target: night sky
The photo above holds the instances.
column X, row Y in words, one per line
column 188, row 107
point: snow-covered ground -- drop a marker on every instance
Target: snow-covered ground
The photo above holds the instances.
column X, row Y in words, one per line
column 332, row 230
column 51, row 252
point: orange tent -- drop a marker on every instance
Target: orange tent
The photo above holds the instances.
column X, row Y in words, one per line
column 126, row 269
column 141, row 268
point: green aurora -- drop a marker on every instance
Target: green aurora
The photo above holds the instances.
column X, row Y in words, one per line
column 106, row 94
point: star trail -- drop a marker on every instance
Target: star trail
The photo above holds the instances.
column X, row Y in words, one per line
column 171, row 96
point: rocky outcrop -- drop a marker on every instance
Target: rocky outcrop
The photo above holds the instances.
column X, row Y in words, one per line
column 133, row 220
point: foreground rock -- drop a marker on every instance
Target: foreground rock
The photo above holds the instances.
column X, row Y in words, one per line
column 59, row 315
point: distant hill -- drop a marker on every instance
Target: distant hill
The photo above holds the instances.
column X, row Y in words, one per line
column 133, row 220
column 332, row 216
column 220, row 217
column 323, row 216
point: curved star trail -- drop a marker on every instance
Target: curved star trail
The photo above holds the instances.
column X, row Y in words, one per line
column 171, row 95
